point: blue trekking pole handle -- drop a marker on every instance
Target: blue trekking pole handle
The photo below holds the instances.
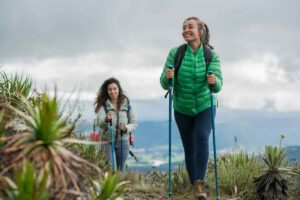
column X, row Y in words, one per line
column 214, row 138
column 170, row 134
column 112, row 145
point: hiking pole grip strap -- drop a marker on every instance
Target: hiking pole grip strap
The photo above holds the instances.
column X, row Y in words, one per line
column 210, row 85
column 166, row 95
column 170, row 79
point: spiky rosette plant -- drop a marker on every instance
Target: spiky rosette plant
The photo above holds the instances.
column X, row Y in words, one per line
column 40, row 140
column 271, row 185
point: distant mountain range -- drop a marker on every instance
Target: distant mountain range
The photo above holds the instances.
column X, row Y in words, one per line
column 251, row 132
column 247, row 130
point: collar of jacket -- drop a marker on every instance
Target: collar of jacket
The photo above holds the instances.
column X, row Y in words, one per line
column 190, row 50
column 124, row 105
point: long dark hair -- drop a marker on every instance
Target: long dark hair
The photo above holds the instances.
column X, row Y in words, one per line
column 102, row 94
column 205, row 37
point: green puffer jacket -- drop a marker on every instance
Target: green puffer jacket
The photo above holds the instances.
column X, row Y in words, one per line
column 191, row 90
column 117, row 118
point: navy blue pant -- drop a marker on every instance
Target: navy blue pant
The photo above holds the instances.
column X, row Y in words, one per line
column 194, row 132
column 120, row 158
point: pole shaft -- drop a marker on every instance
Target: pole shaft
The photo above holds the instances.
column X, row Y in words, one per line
column 121, row 152
column 170, row 140
column 112, row 148
column 214, row 143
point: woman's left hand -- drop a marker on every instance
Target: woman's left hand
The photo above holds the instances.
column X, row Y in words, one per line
column 122, row 127
column 211, row 79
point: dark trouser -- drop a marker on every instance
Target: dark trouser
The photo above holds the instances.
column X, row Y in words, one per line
column 194, row 132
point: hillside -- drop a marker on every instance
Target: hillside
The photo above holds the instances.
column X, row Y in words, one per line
column 293, row 153
column 252, row 133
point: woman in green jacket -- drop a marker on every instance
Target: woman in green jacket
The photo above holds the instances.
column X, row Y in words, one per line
column 192, row 106
column 112, row 106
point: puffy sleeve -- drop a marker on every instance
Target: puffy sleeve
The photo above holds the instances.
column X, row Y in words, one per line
column 215, row 68
column 170, row 61
column 101, row 115
column 132, row 122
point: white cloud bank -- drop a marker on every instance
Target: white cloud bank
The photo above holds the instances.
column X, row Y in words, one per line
column 259, row 83
column 254, row 83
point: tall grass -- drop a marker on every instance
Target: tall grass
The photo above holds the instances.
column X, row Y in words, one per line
column 294, row 184
column 94, row 154
column 180, row 179
column 1, row 129
column 13, row 88
column 236, row 172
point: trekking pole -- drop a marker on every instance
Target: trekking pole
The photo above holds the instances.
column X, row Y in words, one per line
column 121, row 167
column 134, row 156
column 131, row 139
column 170, row 135
column 214, row 139
column 112, row 145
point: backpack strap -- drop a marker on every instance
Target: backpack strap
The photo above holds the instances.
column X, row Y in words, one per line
column 180, row 54
column 127, row 112
column 128, row 109
column 207, row 56
column 128, row 117
column 105, row 108
column 179, row 57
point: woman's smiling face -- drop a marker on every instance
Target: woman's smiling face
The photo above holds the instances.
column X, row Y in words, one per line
column 190, row 31
column 113, row 91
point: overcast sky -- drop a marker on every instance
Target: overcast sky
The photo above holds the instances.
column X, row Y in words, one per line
column 78, row 44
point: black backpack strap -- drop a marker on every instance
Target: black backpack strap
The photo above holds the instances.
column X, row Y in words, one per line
column 180, row 54
column 207, row 56
column 179, row 57
column 128, row 117
column 128, row 110
column 105, row 108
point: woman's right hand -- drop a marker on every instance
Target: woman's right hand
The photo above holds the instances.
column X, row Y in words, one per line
column 108, row 117
column 169, row 73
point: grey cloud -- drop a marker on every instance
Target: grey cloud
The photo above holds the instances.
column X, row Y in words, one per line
column 35, row 29
column 290, row 64
column 38, row 29
column 50, row 28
